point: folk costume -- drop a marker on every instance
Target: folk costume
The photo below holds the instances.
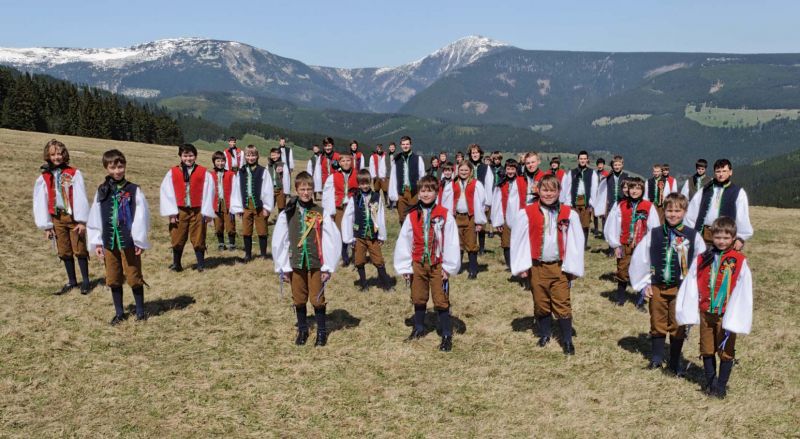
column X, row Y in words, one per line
column 253, row 197
column 715, row 200
column 234, row 159
column 225, row 221
column 280, row 182
column 378, row 164
column 339, row 187
column 508, row 198
column 364, row 224
column 693, row 184
column 579, row 191
column 656, row 190
column 407, row 169
column 326, row 165
column 465, row 200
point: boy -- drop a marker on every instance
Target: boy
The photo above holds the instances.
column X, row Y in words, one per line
column 602, row 175
column 252, row 200
column 389, row 161
column 336, row 195
column 224, row 222
column 280, row 178
column 407, row 170
column 445, row 197
column 287, row 157
column 327, row 163
column 119, row 222
column 721, row 198
column 364, row 223
column 671, row 183
column 187, row 198
column 547, row 247
column 721, row 282
column 481, row 172
column 555, row 169
column 627, row 224
column 234, row 157
column 609, row 192
column 508, row 197
column 580, row 192
column 306, row 247
column 655, row 190
column 358, row 158
column 377, row 169
column 311, row 165
column 532, row 176
column 435, row 169
column 427, row 254
column 696, row 181
column 658, row 266
column 465, row 199
column 61, row 209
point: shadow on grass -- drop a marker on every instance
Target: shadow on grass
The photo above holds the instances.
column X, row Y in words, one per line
column 216, row 261
column 431, row 320
column 372, row 282
column 611, row 295
column 608, row 277
column 336, row 320
column 528, row 323
column 155, row 308
column 641, row 344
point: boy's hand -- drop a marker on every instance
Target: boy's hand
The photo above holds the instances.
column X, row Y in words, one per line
column 648, row 292
column 407, row 276
column 478, row 227
column 286, row 277
column 523, row 275
column 445, row 274
column 619, row 252
column 240, row 215
column 80, row 229
column 138, row 251
column 49, row 234
column 264, row 213
column 738, row 244
column 324, row 276
column 380, row 242
column 498, row 229
column 570, row 277
column 98, row 250
column 173, row 219
column 207, row 219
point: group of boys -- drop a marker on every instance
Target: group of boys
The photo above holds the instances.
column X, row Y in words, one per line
column 681, row 252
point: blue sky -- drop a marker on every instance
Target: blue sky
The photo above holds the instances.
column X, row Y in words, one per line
column 374, row 33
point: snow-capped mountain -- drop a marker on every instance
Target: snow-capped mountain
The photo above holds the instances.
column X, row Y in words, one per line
column 386, row 89
column 172, row 67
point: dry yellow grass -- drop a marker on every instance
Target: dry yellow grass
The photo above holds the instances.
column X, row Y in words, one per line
column 217, row 357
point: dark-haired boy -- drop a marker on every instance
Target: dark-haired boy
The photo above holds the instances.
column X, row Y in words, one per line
column 225, row 221
column 187, row 198
column 287, row 157
column 656, row 188
column 311, row 165
column 378, row 170
column 234, row 157
column 427, row 254
column 720, row 198
column 507, row 199
column 328, row 163
column 696, row 181
column 658, row 266
column 252, row 199
column 279, row 174
column 407, row 169
column 364, row 224
column 580, row 192
column 602, row 175
column 336, row 194
column 119, row 222
column 358, row 158
column 721, row 283
column 306, row 247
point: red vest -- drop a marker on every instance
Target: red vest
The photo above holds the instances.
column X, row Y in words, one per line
column 227, row 184
column 229, row 158
column 376, row 162
column 51, row 193
column 196, row 182
column 323, row 165
column 438, row 215
column 470, row 196
column 338, row 185
column 729, row 269
column 559, row 174
column 604, row 173
column 358, row 159
column 522, row 189
column 536, row 229
column 640, row 229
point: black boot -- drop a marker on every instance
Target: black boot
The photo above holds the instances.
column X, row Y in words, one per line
column 176, row 266
column 72, row 282
column 481, row 242
column 248, row 248
column 621, row 293
column 83, row 264
column 201, row 259
column 220, row 241
column 232, row 241
column 507, row 258
column 545, row 326
column 461, row 262
column 473, row 265
column 586, row 238
column 383, row 278
column 322, row 329
column 262, row 246
column 446, row 328
column 138, row 298
column 566, row 336
column 345, row 255
column 725, row 368
column 419, row 323
column 657, row 356
column 302, row 325
column 710, row 371
column 675, row 347
column 119, row 311
column 362, row 278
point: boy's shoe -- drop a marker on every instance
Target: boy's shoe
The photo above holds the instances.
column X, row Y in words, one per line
column 141, row 317
column 543, row 341
column 447, row 344
column 641, row 308
column 221, row 247
column 175, row 268
column 85, row 288
column 415, row 335
column 322, row 339
column 118, row 319
column 653, row 365
column 65, row 289
column 302, row 338
column 569, row 348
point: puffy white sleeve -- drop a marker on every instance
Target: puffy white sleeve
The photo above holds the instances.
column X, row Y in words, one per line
column 267, row 192
column 347, row 224
column 744, row 229
column 94, row 225
column 381, row 221
column 646, row 190
column 451, row 248
column 685, row 188
column 478, row 203
column 309, row 168
column 520, row 244
column 329, row 197
column 80, row 204
column 687, row 302
column 287, row 181
column 639, row 270
column 237, row 206
column 331, row 245
column 595, row 189
column 280, row 245
column 141, row 222
column 393, row 196
column 601, row 202
column 691, row 219
column 382, row 168
column 497, row 208
column 291, row 161
column 167, row 205
column 738, row 316
column 613, row 227
column 403, row 247
column 318, row 175
column 652, row 218
column 565, row 197
column 488, row 186
column 209, row 188
column 421, row 166
column 699, row 244
column 41, row 212
column 373, row 172
column 573, row 262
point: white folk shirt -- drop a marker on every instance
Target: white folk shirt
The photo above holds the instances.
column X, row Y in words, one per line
column 550, row 252
column 461, row 203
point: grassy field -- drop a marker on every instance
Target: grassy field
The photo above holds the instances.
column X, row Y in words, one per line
column 736, row 117
column 217, row 357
